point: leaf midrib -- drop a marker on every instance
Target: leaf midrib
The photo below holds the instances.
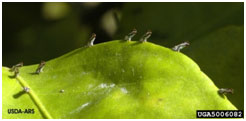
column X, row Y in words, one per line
column 35, row 98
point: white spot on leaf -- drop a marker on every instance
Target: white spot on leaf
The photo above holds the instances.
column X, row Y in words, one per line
column 112, row 85
column 80, row 108
column 84, row 105
column 124, row 90
column 103, row 85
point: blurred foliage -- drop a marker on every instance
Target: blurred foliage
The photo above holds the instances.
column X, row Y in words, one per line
column 42, row 31
column 55, row 11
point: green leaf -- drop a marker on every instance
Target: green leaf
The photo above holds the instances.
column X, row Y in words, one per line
column 116, row 79
column 15, row 98
column 214, row 30
column 220, row 55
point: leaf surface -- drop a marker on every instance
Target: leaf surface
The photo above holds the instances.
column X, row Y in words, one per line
column 116, row 79
column 215, row 31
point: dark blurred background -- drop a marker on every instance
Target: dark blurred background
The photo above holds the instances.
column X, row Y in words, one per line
column 43, row 31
